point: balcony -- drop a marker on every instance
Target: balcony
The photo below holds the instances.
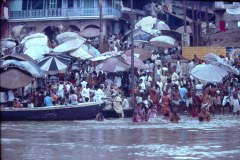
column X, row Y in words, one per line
column 64, row 14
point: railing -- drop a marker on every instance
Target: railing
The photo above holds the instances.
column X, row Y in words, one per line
column 61, row 12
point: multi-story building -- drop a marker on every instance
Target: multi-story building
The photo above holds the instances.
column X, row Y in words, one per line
column 39, row 14
column 4, row 10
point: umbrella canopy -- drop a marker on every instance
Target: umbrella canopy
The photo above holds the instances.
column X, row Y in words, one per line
column 161, row 26
column 146, row 22
column 26, row 66
column 114, row 64
column 208, row 73
column 106, row 55
column 90, row 32
column 142, row 54
column 74, row 28
column 37, row 52
column 32, row 36
column 141, row 35
column 137, row 62
column 8, row 43
column 164, row 42
column 17, row 30
column 82, row 52
column 69, row 45
column 181, row 29
column 218, row 61
column 41, row 41
column 66, row 36
column 53, row 64
column 14, row 78
column 176, row 35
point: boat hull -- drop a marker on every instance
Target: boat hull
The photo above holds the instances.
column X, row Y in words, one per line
column 112, row 113
column 82, row 111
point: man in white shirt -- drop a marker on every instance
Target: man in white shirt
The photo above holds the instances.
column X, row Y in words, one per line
column 179, row 68
column 98, row 94
column 84, row 83
column 190, row 67
column 117, row 81
column 175, row 77
column 86, row 93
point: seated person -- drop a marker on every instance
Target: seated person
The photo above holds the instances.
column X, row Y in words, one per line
column 48, row 100
column 17, row 104
column 73, row 99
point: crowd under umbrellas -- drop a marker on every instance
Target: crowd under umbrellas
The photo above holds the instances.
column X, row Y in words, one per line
column 92, row 76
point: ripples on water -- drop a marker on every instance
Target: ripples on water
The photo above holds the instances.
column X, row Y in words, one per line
column 122, row 139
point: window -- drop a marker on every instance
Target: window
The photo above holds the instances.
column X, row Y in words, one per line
column 52, row 4
column 88, row 3
column 37, row 4
column 70, row 3
column 78, row 3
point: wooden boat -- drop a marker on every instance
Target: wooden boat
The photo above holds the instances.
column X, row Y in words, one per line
column 81, row 111
column 110, row 113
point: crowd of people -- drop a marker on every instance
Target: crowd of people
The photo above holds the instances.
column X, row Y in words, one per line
column 163, row 89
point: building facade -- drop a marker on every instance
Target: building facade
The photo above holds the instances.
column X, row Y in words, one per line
column 4, row 16
column 37, row 15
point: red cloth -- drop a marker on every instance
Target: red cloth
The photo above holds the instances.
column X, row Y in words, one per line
column 222, row 26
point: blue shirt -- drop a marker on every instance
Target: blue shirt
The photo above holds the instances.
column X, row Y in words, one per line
column 48, row 101
column 182, row 92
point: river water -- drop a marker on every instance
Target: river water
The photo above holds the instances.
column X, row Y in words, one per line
column 115, row 139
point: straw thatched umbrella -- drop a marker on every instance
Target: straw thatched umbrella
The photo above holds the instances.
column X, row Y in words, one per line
column 66, row 36
column 164, row 42
column 114, row 64
column 14, row 78
column 140, row 53
column 90, row 32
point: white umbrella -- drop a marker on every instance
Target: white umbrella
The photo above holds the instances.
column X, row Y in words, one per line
column 208, row 73
column 164, row 42
column 42, row 41
column 218, row 61
column 35, row 35
column 162, row 26
column 233, row 11
column 5, row 43
column 37, row 52
column 69, row 45
column 66, row 36
column 82, row 53
column 17, row 30
column 146, row 22
column 106, row 55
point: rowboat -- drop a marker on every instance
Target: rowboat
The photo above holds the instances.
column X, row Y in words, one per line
column 81, row 111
